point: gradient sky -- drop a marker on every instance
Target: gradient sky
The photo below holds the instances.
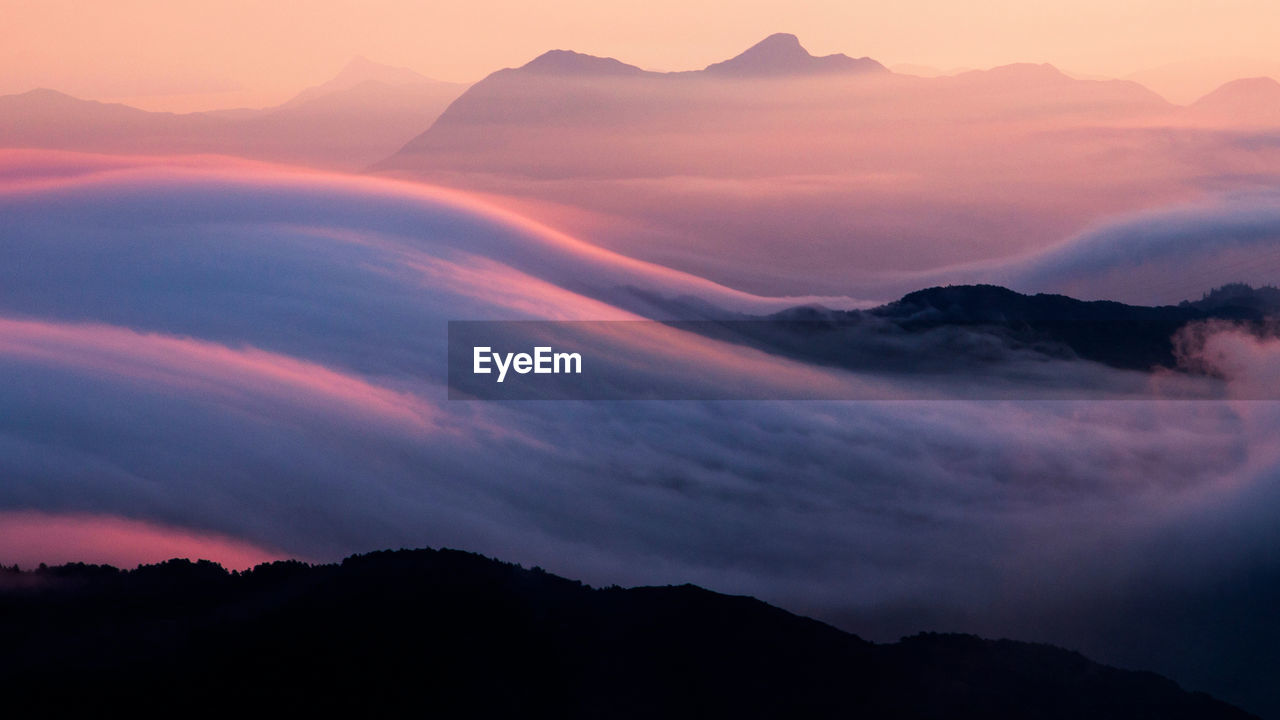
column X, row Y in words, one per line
column 167, row 54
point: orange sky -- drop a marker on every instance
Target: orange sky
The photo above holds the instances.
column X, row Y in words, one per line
column 175, row 54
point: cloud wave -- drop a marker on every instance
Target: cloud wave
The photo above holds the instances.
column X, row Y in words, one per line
column 254, row 354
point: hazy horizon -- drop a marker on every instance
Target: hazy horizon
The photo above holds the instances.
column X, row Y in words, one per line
column 176, row 58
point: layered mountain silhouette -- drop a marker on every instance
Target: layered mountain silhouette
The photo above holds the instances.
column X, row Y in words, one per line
column 874, row 170
column 961, row 328
column 717, row 119
column 363, row 113
column 808, row 166
column 455, row 634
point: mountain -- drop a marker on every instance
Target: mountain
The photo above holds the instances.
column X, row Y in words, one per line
column 1123, row 336
column 47, row 118
column 874, row 170
column 361, row 70
column 1185, row 81
column 815, row 114
column 1244, row 102
column 963, row 328
column 455, row 634
column 1046, row 90
column 781, row 54
column 364, row 113
column 568, row 62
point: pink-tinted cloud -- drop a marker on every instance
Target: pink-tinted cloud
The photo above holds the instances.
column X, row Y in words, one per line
column 28, row 538
column 260, row 354
column 245, row 377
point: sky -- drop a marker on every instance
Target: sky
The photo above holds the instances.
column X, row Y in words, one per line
column 175, row 55
column 220, row 357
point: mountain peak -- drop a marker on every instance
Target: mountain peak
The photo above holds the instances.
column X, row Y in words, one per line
column 779, row 43
column 1245, row 102
column 358, row 71
column 1243, row 89
column 47, row 95
column 361, row 69
column 359, row 63
column 568, row 62
column 782, row 54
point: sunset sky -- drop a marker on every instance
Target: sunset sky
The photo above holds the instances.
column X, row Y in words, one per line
column 160, row 54
column 234, row 335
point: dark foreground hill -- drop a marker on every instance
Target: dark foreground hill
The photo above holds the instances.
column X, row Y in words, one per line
column 452, row 634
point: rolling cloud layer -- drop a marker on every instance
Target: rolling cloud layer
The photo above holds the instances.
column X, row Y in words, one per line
column 257, row 355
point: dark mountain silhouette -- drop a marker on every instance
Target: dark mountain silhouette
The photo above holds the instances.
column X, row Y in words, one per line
column 455, row 634
column 962, row 328
column 782, row 54
column 1123, row 336
column 1239, row 298
column 365, row 112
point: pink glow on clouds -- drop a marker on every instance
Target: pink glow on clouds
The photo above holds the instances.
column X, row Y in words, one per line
column 243, row 378
column 30, row 538
column 40, row 171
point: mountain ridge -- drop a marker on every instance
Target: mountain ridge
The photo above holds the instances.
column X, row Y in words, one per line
column 357, row 71
column 782, row 54
column 1245, row 101
column 350, row 121
column 457, row 632
column 968, row 328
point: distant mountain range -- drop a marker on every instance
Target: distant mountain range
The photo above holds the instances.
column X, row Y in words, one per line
column 359, row 116
column 566, row 114
column 369, row 111
column 1187, row 80
column 814, row 169
column 457, row 635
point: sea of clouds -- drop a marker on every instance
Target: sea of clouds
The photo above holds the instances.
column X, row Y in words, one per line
column 240, row 350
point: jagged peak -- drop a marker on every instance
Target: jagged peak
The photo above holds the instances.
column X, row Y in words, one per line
column 782, row 54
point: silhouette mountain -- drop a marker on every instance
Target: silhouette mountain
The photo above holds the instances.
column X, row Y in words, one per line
column 456, row 634
column 1122, row 336
column 782, row 54
column 361, row 70
column 1185, row 81
column 962, row 328
column 362, row 114
column 566, row 114
column 1248, row 101
column 574, row 63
